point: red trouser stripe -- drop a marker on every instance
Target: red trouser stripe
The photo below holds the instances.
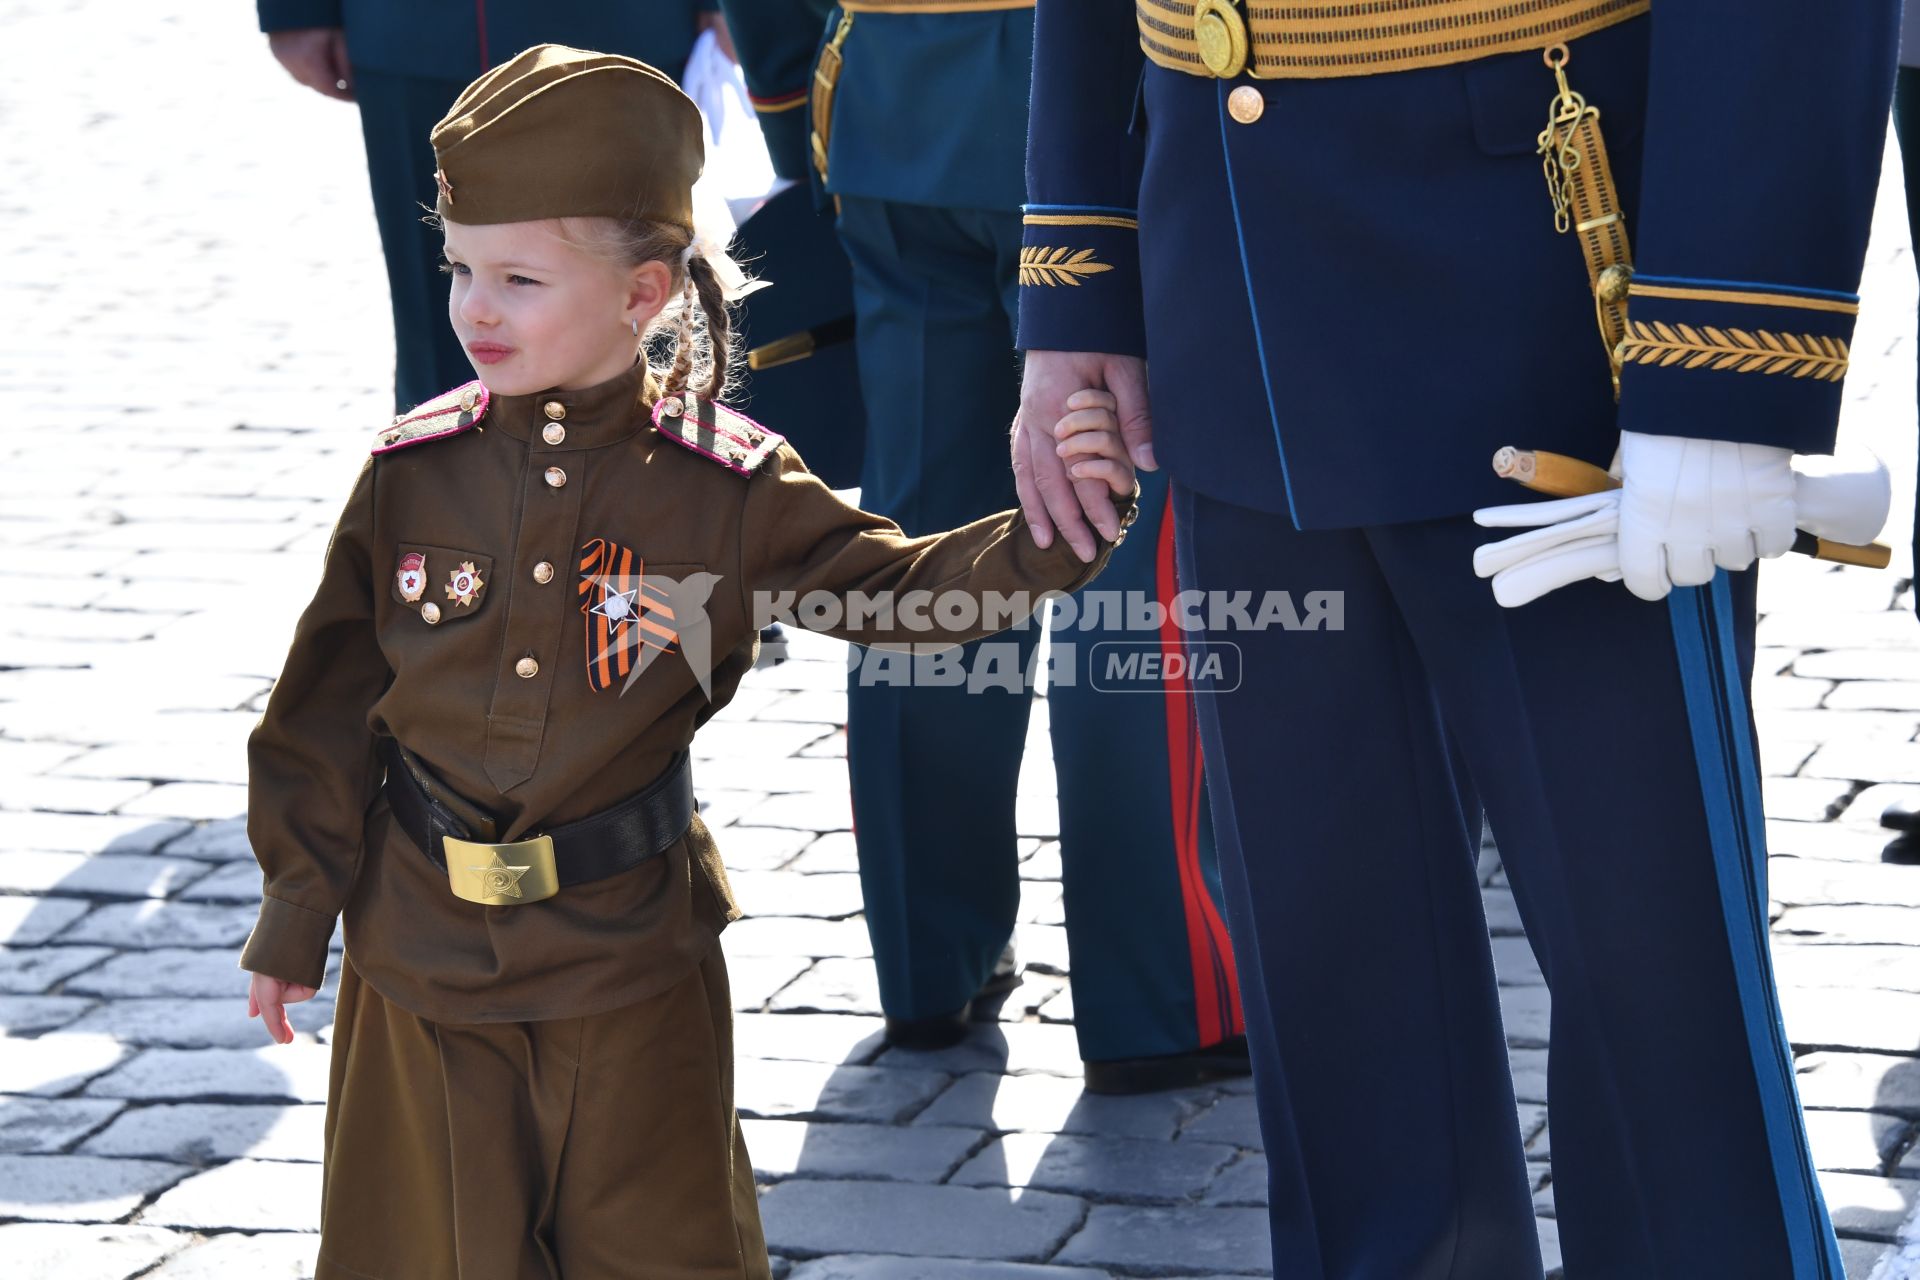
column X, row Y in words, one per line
column 1216, row 982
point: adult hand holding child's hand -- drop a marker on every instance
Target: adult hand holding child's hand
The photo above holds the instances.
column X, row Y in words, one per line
column 267, row 999
column 1063, row 485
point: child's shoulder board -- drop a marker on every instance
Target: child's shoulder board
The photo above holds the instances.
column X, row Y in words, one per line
column 727, row 436
column 447, row 414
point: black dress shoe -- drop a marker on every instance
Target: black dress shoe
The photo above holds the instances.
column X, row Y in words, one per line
column 1902, row 815
column 1169, row 1071
column 945, row 1030
column 1904, row 851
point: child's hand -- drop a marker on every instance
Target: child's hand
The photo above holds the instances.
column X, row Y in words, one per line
column 1089, row 441
column 267, row 998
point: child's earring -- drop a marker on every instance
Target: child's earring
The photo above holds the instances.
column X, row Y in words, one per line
column 635, row 322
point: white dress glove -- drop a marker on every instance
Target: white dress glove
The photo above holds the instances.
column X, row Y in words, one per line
column 1567, row 539
column 1688, row 506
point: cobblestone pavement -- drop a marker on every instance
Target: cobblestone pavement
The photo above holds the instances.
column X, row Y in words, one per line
column 193, row 351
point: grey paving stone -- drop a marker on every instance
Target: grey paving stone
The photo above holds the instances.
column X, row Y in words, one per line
column 1858, row 1258
column 1051, row 1104
column 1882, row 1021
column 812, row 1090
column 754, row 980
column 789, row 893
column 27, row 921
column 280, row 1072
column 1859, row 664
column 190, row 800
column 1872, row 1208
column 812, row 1149
column 272, row 1255
column 1860, row 1081
column 791, row 936
column 1514, row 964
column 127, row 876
column 833, row 986
column 214, row 842
column 57, row 1063
column 43, row 1126
column 79, row 1188
column 67, row 795
column 1825, row 841
column 1529, row 1074
column 201, row 1133
column 162, row 762
column 760, row 848
column 1549, row 1230
column 231, row 882
column 1503, row 917
column 166, row 971
column 834, row 851
column 1804, row 799
column 1244, row 1182
column 197, row 1023
column 803, row 1217
column 1894, row 968
column 1892, row 926
column 811, row 1037
column 170, row 924
column 1856, row 1141
column 246, row 1195
column 1042, row 947
column 894, row 1268
column 803, row 811
column 1187, row 1239
column 1112, row 1169
column 1525, row 1012
column 30, row 1015
column 59, row 1251
column 1231, row 1120
column 1005, row 1048
column 86, row 833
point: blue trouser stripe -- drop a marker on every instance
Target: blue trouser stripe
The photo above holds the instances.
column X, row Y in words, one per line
column 1730, row 792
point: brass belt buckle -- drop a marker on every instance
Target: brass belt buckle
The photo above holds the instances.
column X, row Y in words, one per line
column 502, row 875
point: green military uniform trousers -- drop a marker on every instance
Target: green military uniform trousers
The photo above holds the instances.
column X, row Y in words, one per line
column 572, row 1149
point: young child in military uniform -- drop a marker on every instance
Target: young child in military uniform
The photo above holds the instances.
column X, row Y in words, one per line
column 540, row 587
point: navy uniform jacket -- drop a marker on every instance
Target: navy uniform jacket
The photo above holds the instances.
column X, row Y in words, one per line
column 458, row 39
column 930, row 108
column 1353, row 301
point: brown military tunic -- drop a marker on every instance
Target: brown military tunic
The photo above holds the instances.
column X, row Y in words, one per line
column 500, row 533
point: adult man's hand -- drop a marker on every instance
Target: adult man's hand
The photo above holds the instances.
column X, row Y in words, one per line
column 316, row 57
column 1051, row 498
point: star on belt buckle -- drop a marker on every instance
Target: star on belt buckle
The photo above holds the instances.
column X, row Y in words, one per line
column 502, row 875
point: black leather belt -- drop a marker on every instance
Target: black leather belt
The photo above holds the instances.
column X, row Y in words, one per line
column 606, row 843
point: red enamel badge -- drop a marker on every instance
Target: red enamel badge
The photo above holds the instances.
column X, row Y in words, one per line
column 411, row 576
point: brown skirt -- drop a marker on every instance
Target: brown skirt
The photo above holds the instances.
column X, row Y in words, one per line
column 574, row 1149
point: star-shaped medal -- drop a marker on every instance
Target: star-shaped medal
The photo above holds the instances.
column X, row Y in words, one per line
column 617, row 607
column 498, row 880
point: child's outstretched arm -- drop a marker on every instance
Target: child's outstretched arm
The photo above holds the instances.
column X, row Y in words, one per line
column 799, row 541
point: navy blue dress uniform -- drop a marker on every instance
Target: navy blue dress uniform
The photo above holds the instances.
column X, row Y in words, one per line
column 411, row 59
column 910, row 118
column 1327, row 225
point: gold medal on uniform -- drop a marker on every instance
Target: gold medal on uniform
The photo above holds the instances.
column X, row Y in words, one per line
column 463, row 584
column 411, row 576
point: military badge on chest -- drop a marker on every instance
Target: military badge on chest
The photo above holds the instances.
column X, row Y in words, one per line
column 463, row 584
column 411, row 576
column 628, row 620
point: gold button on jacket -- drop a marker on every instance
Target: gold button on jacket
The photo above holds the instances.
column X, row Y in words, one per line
column 472, row 515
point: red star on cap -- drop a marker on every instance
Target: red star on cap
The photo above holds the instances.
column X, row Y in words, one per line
column 446, row 188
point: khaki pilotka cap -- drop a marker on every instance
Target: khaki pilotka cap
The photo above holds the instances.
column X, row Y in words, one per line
column 562, row 133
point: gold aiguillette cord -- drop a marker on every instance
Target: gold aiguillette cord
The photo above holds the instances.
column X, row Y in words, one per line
column 1580, row 179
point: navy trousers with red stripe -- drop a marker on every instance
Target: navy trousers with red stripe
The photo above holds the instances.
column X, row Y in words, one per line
column 934, row 769
column 1610, row 742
